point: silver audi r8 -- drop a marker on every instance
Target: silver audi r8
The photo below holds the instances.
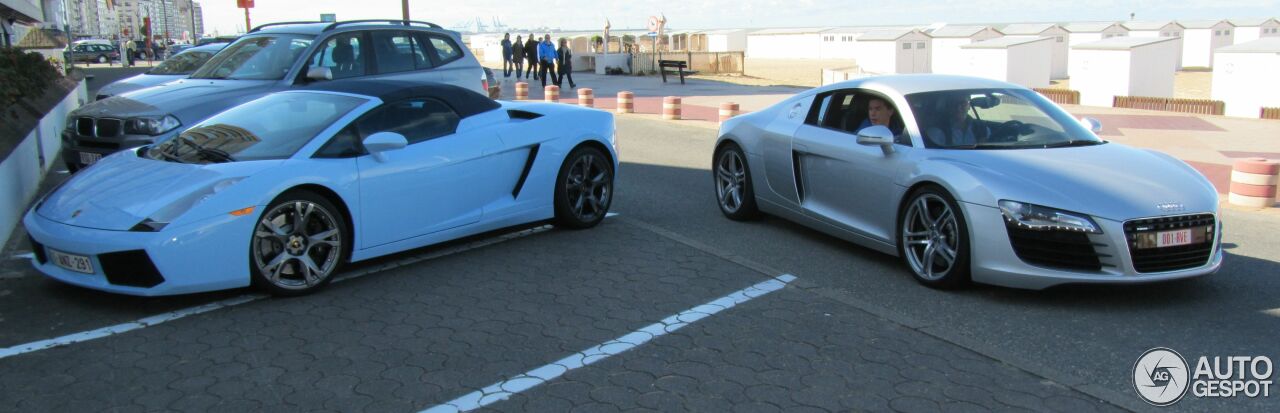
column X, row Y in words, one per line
column 969, row 179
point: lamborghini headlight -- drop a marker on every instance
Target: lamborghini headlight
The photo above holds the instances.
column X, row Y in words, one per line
column 162, row 217
column 1036, row 217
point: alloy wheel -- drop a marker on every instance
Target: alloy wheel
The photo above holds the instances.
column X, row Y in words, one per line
column 588, row 187
column 297, row 245
column 730, row 178
column 931, row 237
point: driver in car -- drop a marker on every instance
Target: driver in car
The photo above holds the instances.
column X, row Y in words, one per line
column 956, row 128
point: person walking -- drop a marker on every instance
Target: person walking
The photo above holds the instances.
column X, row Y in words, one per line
column 547, row 61
column 517, row 56
column 130, row 50
column 506, row 55
column 565, row 63
column 531, row 56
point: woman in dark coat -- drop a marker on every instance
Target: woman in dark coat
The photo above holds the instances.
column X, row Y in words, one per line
column 564, row 61
column 517, row 56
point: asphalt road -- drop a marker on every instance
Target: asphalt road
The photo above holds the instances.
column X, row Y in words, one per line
column 429, row 327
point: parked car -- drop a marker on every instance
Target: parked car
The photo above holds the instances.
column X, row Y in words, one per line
column 270, row 58
column 219, row 39
column 306, row 180
column 971, row 179
column 174, row 50
column 92, row 53
column 177, row 67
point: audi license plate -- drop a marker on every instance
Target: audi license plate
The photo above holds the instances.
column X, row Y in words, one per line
column 1173, row 238
column 71, row 262
column 88, row 158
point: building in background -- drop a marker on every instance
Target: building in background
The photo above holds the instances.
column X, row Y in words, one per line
column 199, row 18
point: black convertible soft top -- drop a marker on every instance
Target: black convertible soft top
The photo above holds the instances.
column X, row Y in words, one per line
column 465, row 102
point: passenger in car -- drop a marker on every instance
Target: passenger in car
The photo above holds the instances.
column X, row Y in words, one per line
column 880, row 112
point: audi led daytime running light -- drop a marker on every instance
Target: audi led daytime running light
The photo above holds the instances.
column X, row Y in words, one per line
column 1036, row 217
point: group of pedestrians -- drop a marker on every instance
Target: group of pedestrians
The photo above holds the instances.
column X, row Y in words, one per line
column 543, row 58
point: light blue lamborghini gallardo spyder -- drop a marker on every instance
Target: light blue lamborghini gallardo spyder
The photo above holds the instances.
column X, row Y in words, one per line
column 281, row 191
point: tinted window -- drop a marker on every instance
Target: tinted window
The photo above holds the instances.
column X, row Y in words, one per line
column 342, row 54
column 397, row 51
column 272, row 127
column 446, row 49
column 256, row 58
column 418, row 120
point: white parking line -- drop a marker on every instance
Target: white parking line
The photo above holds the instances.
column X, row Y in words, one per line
column 504, row 389
column 247, row 298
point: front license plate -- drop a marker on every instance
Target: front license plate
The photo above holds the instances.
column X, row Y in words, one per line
column 71, row 262
column 1173, row 238
column 88, row 158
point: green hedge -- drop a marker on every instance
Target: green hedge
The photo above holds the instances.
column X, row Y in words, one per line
column 24, row 74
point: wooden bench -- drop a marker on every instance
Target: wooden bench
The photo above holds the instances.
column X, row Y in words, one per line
column 676, row 66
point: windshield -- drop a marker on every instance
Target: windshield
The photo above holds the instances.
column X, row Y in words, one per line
column 182, row 64
column 995, row 119
column 255, row 58
column 272, row 127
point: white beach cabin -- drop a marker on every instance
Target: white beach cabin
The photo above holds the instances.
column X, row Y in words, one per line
column 1158, row 29
column 1248, row 30
column 797, row 43
column 1122, row 66
column 1244, row 76
column 1060, row 48
column 893, row 51
column 1022, row 60
column 1201, row 38
column 948, row 39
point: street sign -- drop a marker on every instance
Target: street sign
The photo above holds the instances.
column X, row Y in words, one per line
column 328, row 17
column 244, row 4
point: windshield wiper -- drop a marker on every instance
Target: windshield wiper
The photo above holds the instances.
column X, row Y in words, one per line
column 213, row 154
column 1082, row 142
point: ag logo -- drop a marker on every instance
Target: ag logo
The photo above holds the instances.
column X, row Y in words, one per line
column 1161, row 376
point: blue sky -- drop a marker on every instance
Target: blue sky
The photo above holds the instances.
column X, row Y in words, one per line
column 694, row 14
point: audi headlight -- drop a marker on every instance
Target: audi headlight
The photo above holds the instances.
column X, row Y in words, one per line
column 151, row 125
column 1042, row 218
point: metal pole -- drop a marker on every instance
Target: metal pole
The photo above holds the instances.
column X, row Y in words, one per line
column 164, row 9
column 247, row 27
column 404, row 8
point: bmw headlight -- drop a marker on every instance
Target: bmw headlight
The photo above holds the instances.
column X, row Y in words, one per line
column 151, row 125
column 1042, row 218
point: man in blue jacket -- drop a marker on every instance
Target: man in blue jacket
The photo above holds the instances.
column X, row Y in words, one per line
column 547, row 61
column 507, row 63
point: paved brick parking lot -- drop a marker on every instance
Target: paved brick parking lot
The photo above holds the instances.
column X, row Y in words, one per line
column 428, row 327
column 411, row 337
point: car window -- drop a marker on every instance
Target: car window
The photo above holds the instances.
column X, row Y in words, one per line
column 994, row 119
column 397, row 51
column 446, row 50
column 182, row 64
column 417, row 119
column 265, row 57
column 345, row 144
column 271, row 127
column 342, row 54
column 848, row 110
